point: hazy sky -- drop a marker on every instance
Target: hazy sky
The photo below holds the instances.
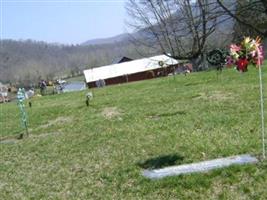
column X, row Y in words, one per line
column 69, row 22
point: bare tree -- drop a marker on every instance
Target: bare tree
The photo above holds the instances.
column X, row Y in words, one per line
column 178, row 28
column 251, row 16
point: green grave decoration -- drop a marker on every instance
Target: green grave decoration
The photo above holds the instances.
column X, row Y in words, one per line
column 217, row 57
column 21, row 98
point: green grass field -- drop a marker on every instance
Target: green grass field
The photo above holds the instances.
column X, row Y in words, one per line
column 99, row 152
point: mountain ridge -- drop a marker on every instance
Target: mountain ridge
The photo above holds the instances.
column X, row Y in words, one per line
column 109, row 40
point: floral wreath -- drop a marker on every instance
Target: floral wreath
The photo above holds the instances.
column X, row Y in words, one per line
column 249, row 51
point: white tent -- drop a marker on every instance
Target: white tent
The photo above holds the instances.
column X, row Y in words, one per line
column 126, row 68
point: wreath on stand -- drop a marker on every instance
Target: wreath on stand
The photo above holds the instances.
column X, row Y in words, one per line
column 217, row 57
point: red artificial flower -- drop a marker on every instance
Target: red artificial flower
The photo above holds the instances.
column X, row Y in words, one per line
column 242, row 64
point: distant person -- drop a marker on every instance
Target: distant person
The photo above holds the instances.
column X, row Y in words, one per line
column 42, row 86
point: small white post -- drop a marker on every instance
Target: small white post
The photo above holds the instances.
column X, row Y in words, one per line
column 262, row 114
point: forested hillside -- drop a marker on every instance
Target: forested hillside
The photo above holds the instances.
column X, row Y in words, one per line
column 28, row 61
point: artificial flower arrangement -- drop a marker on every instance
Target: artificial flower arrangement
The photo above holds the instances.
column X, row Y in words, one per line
column 249, row 51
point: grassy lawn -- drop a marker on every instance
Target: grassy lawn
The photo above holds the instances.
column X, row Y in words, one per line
column 99, row 152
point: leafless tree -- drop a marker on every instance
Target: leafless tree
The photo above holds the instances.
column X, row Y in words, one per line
column 250, row 16
column 178, row 28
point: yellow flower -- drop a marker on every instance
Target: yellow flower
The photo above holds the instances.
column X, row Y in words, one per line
column 247, row 40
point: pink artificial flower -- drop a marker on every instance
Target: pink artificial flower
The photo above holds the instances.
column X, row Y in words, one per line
column 253, row 53
column 257, row 42
column 229, row 61
column 234, row 48
column 260, row 56
column 261, row 52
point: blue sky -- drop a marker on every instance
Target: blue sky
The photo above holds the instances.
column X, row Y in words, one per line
column 68, row 22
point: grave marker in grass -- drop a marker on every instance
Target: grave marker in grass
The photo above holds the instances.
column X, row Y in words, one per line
column 203, row 166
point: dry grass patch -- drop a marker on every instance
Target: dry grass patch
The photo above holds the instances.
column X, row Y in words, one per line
column 216, row 95
column 57, row 121
column 45, row 135
column 110, row 112
column 8, row 141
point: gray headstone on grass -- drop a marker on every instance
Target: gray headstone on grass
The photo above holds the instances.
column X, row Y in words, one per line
column 200, row 166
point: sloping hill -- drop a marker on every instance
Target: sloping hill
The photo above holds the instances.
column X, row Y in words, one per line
column 98, row 152
column 118, row 38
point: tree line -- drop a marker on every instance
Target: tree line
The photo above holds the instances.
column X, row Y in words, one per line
column 29, row 61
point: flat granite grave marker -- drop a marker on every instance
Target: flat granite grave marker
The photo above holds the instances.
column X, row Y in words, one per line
column 200, row 166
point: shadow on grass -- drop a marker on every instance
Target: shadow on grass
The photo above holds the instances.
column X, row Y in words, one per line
column 167, row 114
column 12, row 139
column 192, row 83
column 195, row 96
column 170, row 114
column 161, row 161
column 89, row 106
